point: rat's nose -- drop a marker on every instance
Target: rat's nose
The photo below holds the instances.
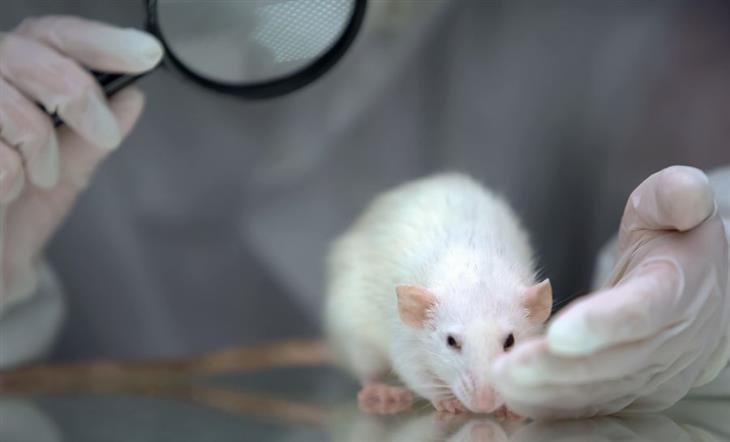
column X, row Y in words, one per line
column 485, row 400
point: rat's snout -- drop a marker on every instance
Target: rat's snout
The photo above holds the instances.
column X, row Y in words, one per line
column 485, row 400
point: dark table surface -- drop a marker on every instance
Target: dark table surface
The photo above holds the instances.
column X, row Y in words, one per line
column 280, row 392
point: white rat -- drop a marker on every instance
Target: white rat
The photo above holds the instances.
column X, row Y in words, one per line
column 432, row 282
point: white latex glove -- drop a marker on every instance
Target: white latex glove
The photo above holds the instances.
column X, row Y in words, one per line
column 659, row 328
column 42, row 170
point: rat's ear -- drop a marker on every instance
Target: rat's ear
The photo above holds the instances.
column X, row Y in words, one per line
column 538, row 301
column 414, row 302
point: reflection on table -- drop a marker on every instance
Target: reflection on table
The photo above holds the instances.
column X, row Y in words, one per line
column 279, row 392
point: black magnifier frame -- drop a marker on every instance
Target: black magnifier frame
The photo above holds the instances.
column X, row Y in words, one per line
column 112, row 83
column 275, row 87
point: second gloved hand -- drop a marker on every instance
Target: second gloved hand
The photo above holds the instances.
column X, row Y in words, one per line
column 42, row 170
column 659, row 328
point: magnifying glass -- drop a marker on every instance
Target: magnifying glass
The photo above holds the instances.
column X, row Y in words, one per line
column 254, row 49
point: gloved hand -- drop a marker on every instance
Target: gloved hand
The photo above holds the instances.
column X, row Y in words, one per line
column 660, row 327
column 42, row 170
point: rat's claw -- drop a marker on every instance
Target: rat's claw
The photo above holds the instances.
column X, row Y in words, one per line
column 505, row 414
column 377, row 398
column 453, row 406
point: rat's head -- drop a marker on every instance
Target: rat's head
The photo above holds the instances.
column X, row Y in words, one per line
column 462, row 335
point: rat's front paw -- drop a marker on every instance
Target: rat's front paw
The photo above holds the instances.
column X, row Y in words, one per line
column 377, row 398
column 453, row 406
column 505, row 414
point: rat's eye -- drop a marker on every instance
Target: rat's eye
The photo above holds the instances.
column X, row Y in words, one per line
column 509, row 342
column 453, row 343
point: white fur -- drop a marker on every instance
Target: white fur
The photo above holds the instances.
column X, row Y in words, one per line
column 452, row 236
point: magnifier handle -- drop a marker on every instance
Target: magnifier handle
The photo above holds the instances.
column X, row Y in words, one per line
column 110, row 84
column 113, row 83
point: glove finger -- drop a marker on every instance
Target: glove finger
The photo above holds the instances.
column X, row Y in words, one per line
column 96, row 45
column 583, row 400
column 79, row 159
column 45, row 208
column 533, row 364
column 533, row 397
column 24, row 126
column 646, row 301
column 676, row 198
column 11, row 174
column 663, row 365
column 61, row 86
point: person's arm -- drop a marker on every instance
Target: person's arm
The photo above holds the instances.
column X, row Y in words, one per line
column 43, row 169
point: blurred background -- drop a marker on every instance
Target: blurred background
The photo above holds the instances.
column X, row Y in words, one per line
column 208, row 228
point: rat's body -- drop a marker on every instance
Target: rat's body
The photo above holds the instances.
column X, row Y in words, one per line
column 462, row 269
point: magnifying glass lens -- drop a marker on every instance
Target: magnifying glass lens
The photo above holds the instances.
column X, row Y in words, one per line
column 251, row 41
